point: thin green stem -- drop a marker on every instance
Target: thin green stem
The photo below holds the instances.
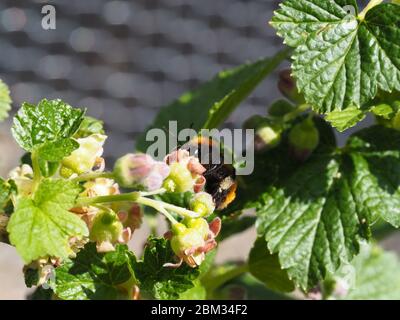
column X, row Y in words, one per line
column 153, row 193
column 181, row 211
column 125, row 197
column 139, row 198
column 37, row 176
column 158, row 205
column 220, row 278
column 93, row 175
column 296, row 112
column 370, row 5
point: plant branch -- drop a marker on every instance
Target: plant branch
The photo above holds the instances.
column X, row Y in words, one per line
column 296, row 112
column 138, row 197
column 125, row 197
column 36, row 170
column 93, row 175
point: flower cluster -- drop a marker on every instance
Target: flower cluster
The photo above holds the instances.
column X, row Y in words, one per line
column 112, row 217
column 191, row 237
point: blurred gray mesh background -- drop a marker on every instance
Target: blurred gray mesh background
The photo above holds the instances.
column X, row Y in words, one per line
column 123, row 60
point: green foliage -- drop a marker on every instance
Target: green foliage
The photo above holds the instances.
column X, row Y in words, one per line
column 315, row 217
column 49, row 121
column 214, row 101
column 96, row 276
column 5, row 100
column 6, row 189
column 89, row 126
column 46, row 130
column 377, row 275
column 345, row 119
column 57, row 150
column 265, row 267
column 42, row 226
column 157, row 281
column 340, row 60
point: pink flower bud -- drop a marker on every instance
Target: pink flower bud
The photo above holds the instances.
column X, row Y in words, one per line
column 140, row 171
column 179, row 155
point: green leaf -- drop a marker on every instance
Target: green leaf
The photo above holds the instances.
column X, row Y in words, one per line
column 214, row 101
column 345, row 119
column 88, row 127
column 341, row 61
column 49, row 121
column 266, row 267
column 5, row 192
column 47, row 168
column 198, row 292
column 42, row 226
column 57, row 150
column 157, row 281
column 376, row 172
column 316, row 217
column 5, row 100
column 247, row 287
column 96, row 276
column 255, row 74
column 311, row 221
column 382, row 110
column 377, row 275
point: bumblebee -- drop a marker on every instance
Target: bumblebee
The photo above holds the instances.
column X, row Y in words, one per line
column 220, row 178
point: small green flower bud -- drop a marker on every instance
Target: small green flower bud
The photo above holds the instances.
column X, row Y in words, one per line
column 66, row 172
column 287, row 86
column 180, row 179
column 178, row 228
column 199, row 224
column 267, row 137
column 106, row 227
column 84, row 158
column 202, row 203
column 280, row 107
column 303, row 139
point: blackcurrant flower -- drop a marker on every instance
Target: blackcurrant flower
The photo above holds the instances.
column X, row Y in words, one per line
column 186, row 172
column 192, row 239
column 140, row 171
column 106, row 230
column 86, row 157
